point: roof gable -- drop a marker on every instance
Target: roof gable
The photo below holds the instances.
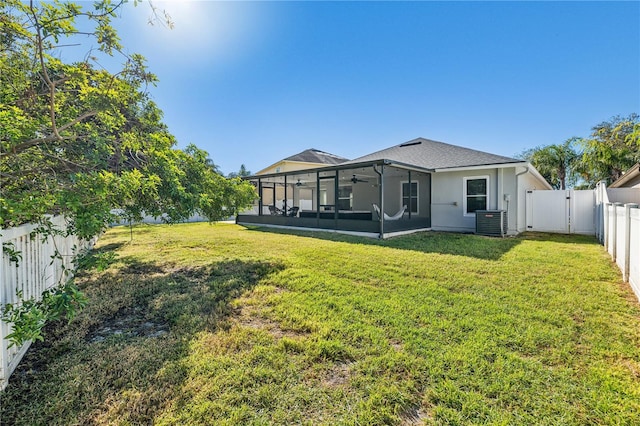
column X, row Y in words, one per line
column 435, row 155
column 313, row 155
column 309, row 158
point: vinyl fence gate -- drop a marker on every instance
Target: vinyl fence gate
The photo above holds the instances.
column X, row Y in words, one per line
column 563, row 211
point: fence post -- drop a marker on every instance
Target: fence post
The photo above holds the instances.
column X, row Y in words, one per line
column 4, row 356
column 614, row 245
column 627, row 244
column 605, row 233
column 596, row 213
column 600, row 211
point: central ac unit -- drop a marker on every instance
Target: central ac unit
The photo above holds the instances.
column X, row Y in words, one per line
column 491, row 222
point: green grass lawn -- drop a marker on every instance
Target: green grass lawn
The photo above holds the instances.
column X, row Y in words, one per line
column 218, row 324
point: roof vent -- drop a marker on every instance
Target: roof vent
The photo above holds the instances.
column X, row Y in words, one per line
column 410, row 143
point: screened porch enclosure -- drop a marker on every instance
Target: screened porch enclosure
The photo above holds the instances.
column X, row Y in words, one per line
column 344, row 199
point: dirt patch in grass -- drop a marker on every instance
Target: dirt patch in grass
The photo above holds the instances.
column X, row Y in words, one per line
column 249, row 314
column 415, row 416
column 131, row 323
column 338, row 375
column 631, row 365
column 396, row 344
column 261, row 323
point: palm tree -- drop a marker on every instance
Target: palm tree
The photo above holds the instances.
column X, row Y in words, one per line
column 557, row 163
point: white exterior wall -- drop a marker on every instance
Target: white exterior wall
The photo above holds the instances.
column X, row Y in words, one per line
column 393, row 194
column 623, row 195
column 507, row 191
column 364, row 193
column 447, row 189
column 525, row 182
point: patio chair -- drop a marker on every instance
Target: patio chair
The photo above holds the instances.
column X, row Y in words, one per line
column 293, row 211
column 387, row 217
column 275, row 211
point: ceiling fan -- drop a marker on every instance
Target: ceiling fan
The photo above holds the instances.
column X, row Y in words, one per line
column 299, row 183
column 354, row 179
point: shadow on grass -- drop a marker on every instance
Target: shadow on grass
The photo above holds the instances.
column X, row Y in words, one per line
column 109, row 247
column 560, row 238
column 457, row 244
column 97, row 259
column 120, row 359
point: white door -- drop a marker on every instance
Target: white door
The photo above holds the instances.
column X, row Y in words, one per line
column 548, row 211
column 582, row 213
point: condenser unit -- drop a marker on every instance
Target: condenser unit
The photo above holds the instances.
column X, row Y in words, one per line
column 491, row 222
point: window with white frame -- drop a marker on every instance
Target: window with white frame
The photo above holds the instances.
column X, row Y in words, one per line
column 410, row 196
column 476, row 194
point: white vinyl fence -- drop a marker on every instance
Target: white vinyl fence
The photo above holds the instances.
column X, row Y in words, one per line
column 618, row 229
column 37, row 270
column 622, row 240
column 563, row 211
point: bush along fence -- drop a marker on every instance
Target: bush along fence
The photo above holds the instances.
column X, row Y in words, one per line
column 36, row 267
column 618, row 229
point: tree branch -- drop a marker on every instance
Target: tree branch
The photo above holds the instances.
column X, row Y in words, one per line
column 45, row 73
column 78, row 120
column 89, row 15
column 21, row 147
column 68, row 162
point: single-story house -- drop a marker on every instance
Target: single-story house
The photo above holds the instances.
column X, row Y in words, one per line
column 308, row 159
column 417, row 185
column 629, row 179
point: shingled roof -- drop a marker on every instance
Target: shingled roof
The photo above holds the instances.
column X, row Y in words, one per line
column 316, row 156
column 435, row 155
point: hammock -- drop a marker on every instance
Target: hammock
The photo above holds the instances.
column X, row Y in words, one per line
column 387, row 217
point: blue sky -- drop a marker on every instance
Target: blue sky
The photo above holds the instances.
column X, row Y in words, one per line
column 254, row 82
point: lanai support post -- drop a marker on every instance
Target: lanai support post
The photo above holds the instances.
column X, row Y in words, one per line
column 409, row 206
column 259, row 197
column 380, row 174
column 284, row 202
column 336, row 188
column 318, row 195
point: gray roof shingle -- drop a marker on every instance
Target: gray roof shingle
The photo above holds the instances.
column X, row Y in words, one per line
column 434, row 155
column 316, row 156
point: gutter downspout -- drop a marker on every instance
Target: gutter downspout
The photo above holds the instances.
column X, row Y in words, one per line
column 526, row 170
column 380, row 174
